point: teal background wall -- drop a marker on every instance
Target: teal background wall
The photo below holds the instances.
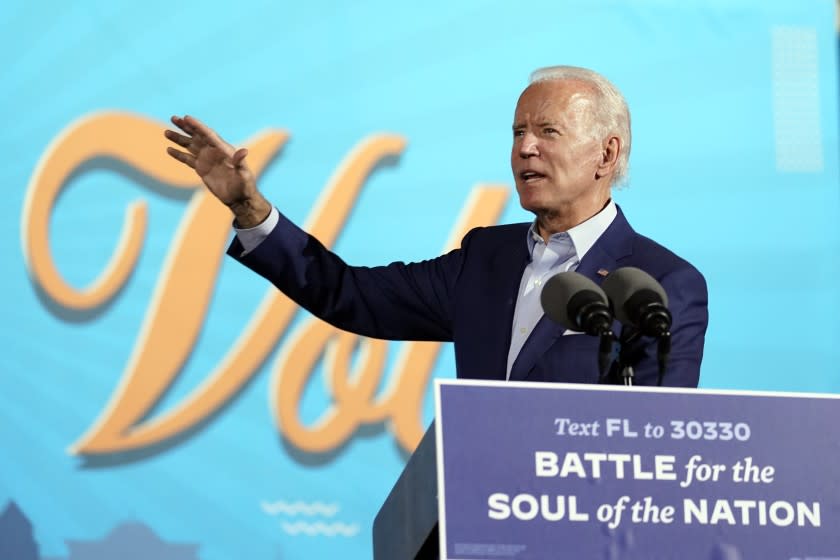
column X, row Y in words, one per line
column 734, row 167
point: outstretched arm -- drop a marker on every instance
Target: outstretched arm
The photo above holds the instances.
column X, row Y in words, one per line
column 398, row 301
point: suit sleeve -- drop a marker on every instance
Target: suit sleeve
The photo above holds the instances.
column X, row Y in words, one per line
column 399, row 301
column 688, row 303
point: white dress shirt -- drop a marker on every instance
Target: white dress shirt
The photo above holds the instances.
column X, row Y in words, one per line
column 563, row 252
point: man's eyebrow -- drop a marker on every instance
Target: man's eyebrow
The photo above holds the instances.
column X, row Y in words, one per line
column 540, row 124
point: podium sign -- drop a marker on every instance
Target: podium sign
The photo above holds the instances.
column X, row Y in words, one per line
column 537, row 471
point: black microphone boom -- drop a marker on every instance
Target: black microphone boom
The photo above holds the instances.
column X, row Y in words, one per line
column 577, row 303
column 638, row 300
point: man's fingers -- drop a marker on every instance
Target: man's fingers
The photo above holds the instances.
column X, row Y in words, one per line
column 182, row 124
column 207, row 134
column 186, row 159
column 239, row 156
column 180, row 139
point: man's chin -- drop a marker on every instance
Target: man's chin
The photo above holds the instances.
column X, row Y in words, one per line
column 534, row 206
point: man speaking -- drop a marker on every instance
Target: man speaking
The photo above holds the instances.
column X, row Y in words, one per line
column 571, row 145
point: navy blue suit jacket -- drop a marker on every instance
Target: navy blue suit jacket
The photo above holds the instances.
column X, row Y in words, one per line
column 468, row 296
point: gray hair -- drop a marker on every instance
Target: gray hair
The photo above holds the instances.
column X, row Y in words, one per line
column 612, row 115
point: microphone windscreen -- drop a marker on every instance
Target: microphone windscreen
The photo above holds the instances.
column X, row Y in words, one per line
column 620, row 285
column 558, row 293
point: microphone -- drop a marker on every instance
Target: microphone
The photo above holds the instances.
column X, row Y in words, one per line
column 638, row 300
column 577, row 303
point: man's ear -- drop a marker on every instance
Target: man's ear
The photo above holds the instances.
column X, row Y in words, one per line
column 610, row 150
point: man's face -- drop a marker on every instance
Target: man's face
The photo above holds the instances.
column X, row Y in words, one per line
column 555, row 155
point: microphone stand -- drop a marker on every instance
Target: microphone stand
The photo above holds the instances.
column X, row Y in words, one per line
column 663, row 349
column 623, row 362
column 627, row 375
column 605, row 348
column 628, row 336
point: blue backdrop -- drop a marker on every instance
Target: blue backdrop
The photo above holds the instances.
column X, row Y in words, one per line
column 734, row 167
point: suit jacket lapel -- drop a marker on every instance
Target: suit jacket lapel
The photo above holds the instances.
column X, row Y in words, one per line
column 616, row 242
column 506, row 268
column 540, row 340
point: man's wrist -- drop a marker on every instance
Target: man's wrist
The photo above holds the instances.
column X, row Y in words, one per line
column 251, row 211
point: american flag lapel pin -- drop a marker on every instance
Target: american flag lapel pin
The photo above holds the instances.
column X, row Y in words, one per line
column 602, row 272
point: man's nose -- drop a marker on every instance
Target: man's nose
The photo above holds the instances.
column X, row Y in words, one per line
column 528, row 146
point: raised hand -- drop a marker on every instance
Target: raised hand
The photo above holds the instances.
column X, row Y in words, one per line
column 221, row 167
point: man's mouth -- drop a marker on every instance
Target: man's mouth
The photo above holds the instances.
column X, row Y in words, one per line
column 530, row 176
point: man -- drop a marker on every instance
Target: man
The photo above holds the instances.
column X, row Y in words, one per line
column 571, row 144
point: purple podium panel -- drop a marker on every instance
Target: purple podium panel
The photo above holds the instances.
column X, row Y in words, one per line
column 554, row 471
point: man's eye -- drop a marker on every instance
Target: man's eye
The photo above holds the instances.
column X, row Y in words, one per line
column 518, row 133
column 549, row 130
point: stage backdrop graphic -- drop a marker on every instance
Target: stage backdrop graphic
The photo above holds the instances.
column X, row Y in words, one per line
column 157, row 399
